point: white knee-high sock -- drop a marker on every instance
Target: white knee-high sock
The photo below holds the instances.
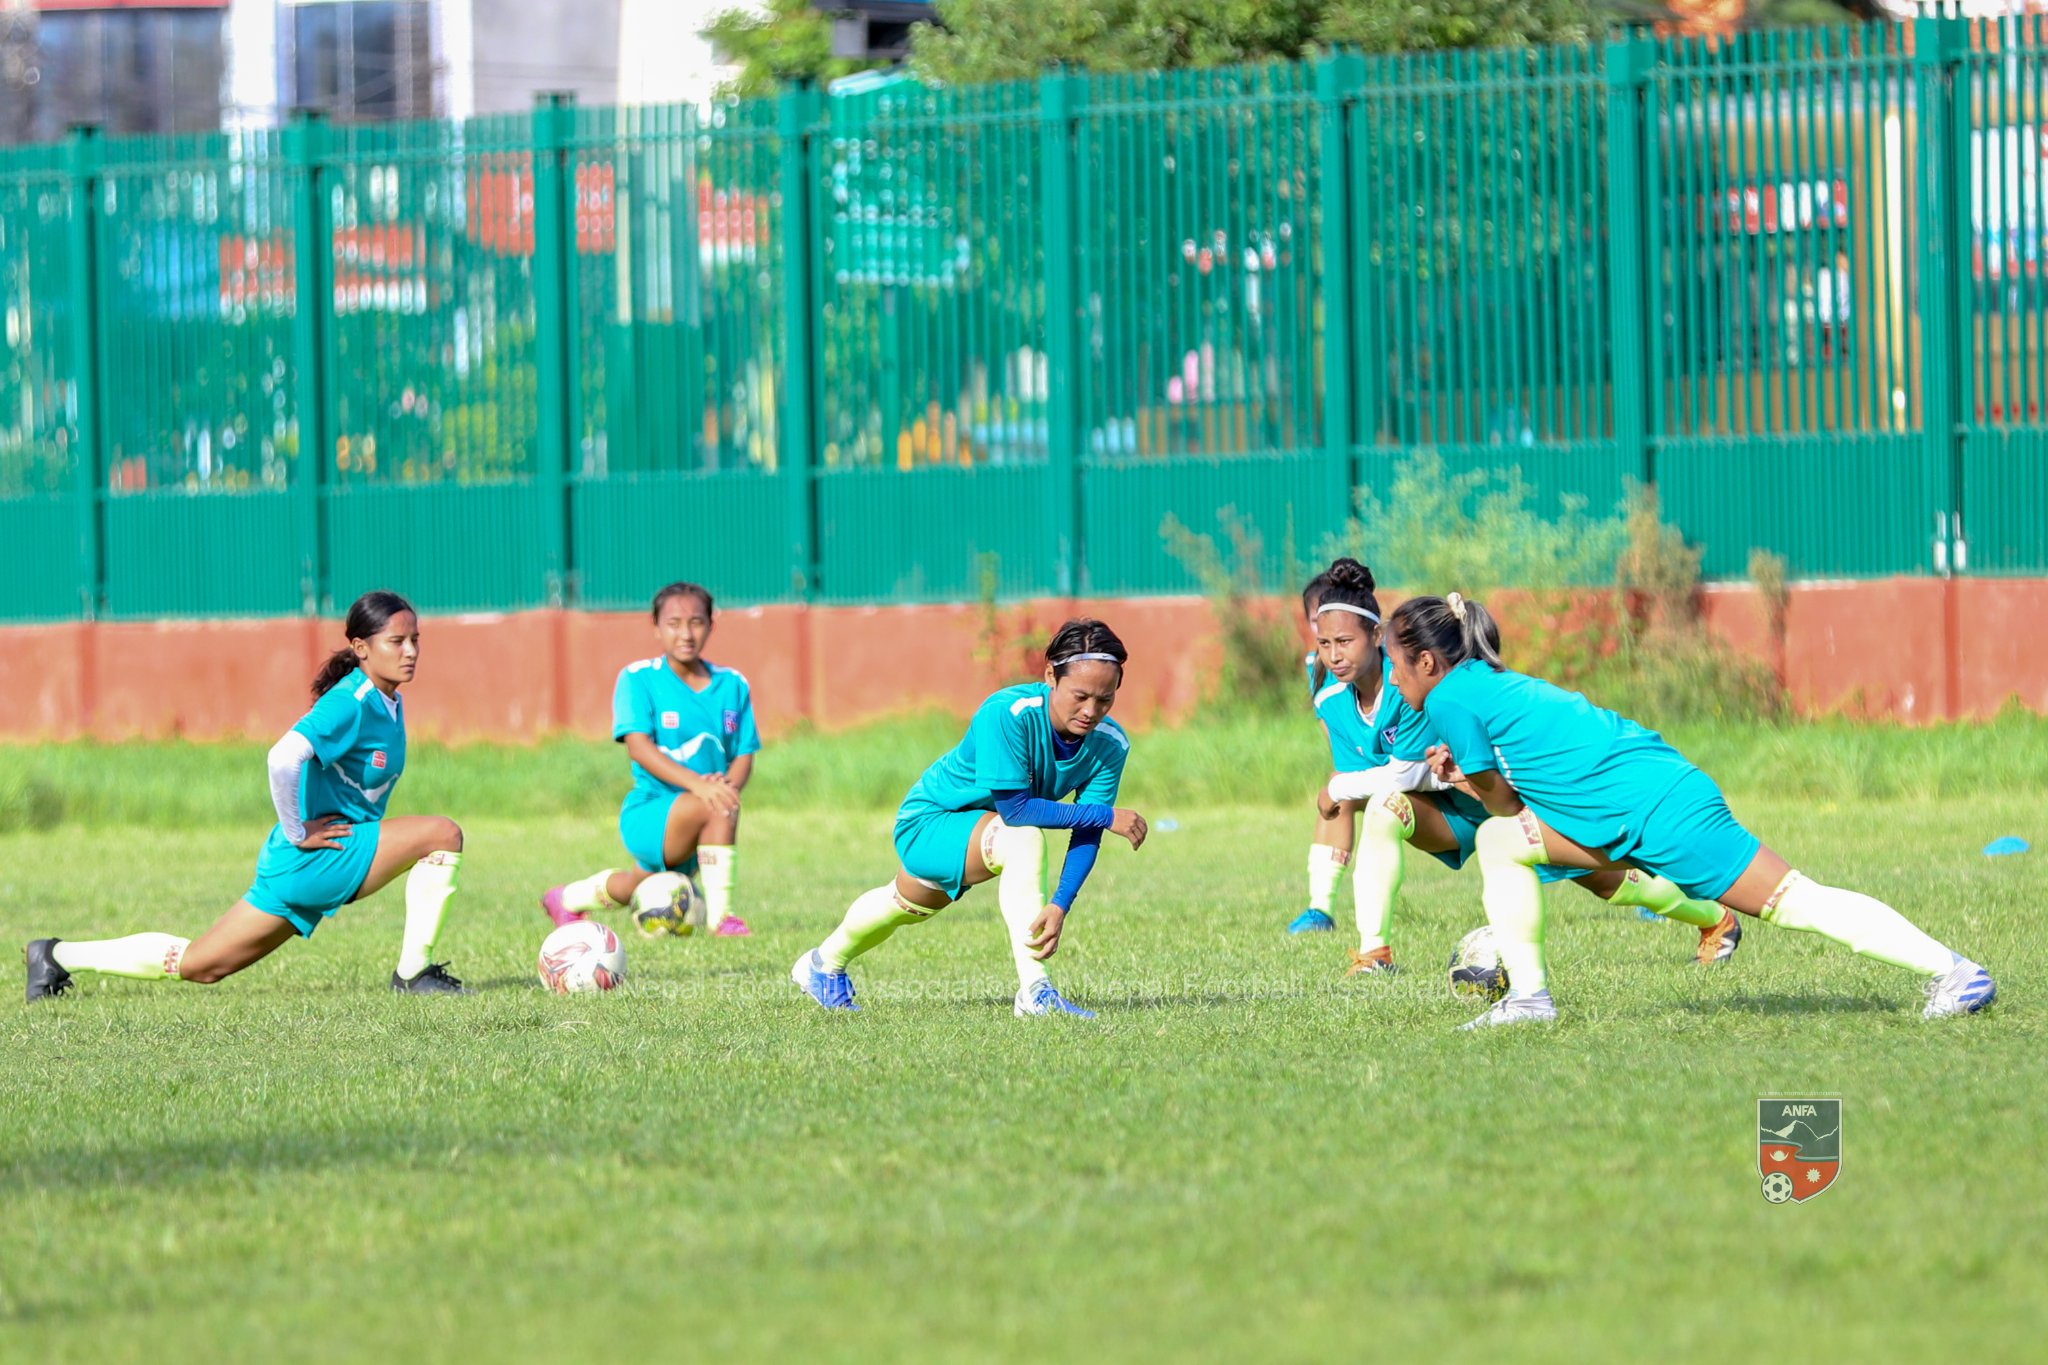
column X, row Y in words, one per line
column 142, row 957
column 1325, row 866
column 1857, row 922
column 868, row 922
column 1508, row 852
column 1019, row 860
column 720, row 865
column 590, row 894
column 1379, row 865
column 427, row 889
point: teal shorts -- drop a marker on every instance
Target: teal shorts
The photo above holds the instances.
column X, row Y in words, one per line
column 1464, row 815
column 305, row 886
column 643, row 826
column 1692, row 838
column 933, row 846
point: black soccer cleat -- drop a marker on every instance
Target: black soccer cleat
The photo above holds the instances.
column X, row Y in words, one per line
column 45, row 977
column 433, row 979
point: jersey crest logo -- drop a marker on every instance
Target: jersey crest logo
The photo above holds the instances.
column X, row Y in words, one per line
column 377, row 759
column 732, row 722
column 1387, row 735
column 670, row 720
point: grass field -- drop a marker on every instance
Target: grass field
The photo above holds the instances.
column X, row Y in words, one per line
column 1243, row 1159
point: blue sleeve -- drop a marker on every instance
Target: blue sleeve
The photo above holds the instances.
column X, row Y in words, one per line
column 748, row 739
column 1461, row 728
column 1081, row 851
column 1022, row 809
column 331, row 726
column 1000, row 759
column 632, row 708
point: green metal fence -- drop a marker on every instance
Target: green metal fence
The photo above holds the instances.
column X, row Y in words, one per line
column 882, row 343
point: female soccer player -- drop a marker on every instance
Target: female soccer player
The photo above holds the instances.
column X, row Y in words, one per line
column 688, row 728
column 1330, row 850
column 1569, row 783
column 330, row 778
column 1379, row 745
column 982, row 810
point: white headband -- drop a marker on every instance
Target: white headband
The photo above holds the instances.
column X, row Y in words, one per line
column 1346, row 606
column 1085, row 658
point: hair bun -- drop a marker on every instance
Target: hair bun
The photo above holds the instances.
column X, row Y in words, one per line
column 1349, row 573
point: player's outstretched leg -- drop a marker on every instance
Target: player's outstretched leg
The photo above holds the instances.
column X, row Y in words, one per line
column 239, row 938
column 1016, row 854
column 867, row 924
column 610, row 889
column 1771, row 890
column 1720, row 932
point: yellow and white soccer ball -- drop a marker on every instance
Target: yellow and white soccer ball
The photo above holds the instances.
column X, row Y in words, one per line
column 1475, row 970
column 582, row 957
column 667, row 903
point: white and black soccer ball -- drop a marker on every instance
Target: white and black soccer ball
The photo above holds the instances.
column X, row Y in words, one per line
column 1475, row 972
column 1777, row 1187
column 580, row 957
column 666, row 903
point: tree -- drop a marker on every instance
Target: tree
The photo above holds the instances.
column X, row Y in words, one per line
column 790, row 40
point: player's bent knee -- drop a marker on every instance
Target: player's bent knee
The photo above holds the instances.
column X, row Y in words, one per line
column 444, row 835
column 1505, row 839
column 1005, row 846
column 1393, row 812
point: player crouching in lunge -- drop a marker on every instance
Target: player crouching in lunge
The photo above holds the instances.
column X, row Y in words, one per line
column 1569, row 783
column 981, row 812
column 331, row 777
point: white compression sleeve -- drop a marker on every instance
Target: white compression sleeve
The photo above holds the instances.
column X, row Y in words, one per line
column 1395, row 775
column 287, row 761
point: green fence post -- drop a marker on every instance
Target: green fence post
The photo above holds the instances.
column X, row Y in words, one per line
column 1059, row 101
column 1338, row 77
column 554, row 342
column 1939, row 46
column 304, row 141
column 1628, row 64
column 89, row 461
column 796, row 457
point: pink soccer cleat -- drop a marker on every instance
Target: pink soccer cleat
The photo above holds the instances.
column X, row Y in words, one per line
column 551, row 905
column 732, row 926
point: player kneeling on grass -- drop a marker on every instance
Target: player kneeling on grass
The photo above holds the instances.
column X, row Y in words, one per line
column 1569, row 783
column 1336, row 830
column 982, row 810
column 1380, row 746
column 688, row 728
column 330, row 778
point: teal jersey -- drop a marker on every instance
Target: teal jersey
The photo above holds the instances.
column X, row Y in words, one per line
column 1010, row 747
column 358, row 738
column 1588, row 773
column 704, row 730
column 1399, row 732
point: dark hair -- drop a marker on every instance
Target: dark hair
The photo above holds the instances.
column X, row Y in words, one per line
column 1084, row 635
column 1351, row 585
column 370, row 613
column 681, row 590
column 1313, row 593
column 1453, row 634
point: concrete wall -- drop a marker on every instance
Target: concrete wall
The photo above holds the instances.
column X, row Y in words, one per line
column 522, row 47
column 1912, row 649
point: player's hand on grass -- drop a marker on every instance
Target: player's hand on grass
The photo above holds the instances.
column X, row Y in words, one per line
column 719, row 794
column 1043, row 937
column 1130, row 825
column 324, row 831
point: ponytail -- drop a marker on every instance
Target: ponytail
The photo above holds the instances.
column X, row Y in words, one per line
column 369, row 614
column 1450, row 627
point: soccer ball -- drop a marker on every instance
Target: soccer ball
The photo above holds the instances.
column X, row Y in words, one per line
column 665, row 903
column 1475, row 967
column 1777, row 1187
column 582, row 956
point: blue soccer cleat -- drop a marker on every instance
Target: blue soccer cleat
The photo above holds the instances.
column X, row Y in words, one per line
column 1311, row 922
column 1041, row 998
column 1964, row 989
column 832, row 990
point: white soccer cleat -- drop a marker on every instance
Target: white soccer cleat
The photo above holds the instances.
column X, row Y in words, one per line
column 1516, row 1009
column 1964, row 989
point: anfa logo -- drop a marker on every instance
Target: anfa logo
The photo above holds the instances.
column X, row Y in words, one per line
column 377, row 759
column 670, row 720
column 732, row 722
column 1387, row 735
column 1798, row 1147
